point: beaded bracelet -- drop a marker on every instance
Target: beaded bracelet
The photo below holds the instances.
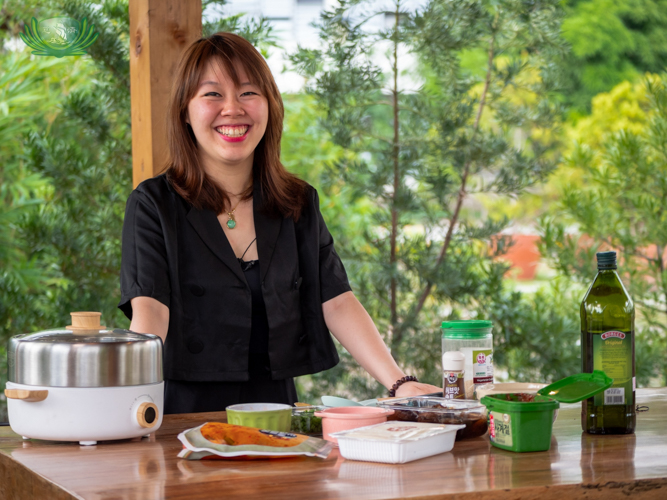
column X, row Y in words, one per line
column 400, row 382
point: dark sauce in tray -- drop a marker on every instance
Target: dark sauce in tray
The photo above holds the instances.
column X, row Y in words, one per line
column 475, row 422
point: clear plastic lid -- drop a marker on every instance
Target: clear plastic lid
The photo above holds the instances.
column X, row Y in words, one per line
column 397, row 432
column 432, row 404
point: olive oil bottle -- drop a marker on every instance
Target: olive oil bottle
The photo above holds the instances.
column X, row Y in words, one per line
column 608, row 344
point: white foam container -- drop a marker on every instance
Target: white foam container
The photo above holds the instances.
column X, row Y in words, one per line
column 391, row 443
column 508, row 388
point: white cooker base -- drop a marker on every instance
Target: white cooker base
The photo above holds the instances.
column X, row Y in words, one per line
column 85, row 414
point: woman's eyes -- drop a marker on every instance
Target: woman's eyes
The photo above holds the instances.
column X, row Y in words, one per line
column 249, row 92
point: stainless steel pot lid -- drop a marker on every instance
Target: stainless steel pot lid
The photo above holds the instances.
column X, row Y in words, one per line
column 85, row 354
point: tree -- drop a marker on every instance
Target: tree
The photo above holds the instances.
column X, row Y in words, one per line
column 29, row 91
column 612, row 41
column 621, row 206
column 81, row 155
column 623, row 107
column 423, row 149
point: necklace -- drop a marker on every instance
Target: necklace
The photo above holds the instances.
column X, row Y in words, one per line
column 231, row 223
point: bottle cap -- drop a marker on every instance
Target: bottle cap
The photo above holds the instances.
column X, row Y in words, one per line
column 606, row 260
column 453, row 361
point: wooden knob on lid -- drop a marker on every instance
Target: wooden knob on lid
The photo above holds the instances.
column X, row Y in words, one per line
column 85, row 320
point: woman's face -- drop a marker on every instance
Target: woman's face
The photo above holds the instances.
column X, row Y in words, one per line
column 228, row 121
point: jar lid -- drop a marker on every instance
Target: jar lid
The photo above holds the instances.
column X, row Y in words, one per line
column 466, row 329
column 467, row 324
column 453, row 361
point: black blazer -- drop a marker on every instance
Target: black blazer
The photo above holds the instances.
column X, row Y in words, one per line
column 181, row 257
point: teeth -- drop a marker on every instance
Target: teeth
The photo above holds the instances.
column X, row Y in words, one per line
column 233, row 131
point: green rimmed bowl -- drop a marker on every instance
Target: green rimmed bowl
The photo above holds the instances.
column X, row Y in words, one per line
column 269, row 416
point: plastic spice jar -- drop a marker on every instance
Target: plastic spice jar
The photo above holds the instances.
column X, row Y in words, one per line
column 474, row 338
column 453, row 381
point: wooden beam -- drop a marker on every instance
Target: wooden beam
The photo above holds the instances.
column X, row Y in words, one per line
column 160, row 30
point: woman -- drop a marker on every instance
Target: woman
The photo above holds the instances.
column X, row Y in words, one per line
column 226, row 256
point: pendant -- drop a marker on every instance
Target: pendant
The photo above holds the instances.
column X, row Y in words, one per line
column 231, row 223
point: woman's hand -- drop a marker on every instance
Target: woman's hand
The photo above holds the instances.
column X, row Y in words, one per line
column 416, row 389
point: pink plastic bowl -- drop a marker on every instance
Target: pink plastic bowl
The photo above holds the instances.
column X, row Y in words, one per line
column 350, row 417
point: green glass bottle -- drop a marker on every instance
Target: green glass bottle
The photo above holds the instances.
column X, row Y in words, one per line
column 608, row 344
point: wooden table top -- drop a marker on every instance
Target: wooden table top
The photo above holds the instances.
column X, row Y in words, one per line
column 578, row 465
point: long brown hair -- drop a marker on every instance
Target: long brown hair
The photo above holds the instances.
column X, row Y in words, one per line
column 282, row 192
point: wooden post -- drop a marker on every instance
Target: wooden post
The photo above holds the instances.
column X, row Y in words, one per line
column 160, row 30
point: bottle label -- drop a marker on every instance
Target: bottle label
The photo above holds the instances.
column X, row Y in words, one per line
column 482, row 366
column 453, row 385
column 500, row 428
column 614, row 396
column 612, row 353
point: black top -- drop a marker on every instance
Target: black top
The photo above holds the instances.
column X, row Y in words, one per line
column 259, row 363
column 181, row 257
column 259, row 326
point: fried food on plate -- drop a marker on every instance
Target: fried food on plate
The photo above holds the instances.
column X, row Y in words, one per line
column 238, row 435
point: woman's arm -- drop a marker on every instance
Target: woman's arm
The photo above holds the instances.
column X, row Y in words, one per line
column 349, row 322
column 149, row 316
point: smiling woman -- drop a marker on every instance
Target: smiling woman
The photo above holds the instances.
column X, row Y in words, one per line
column 226, row 256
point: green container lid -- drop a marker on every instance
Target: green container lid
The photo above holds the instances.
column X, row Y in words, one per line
column 577, row 387
column 466, row 329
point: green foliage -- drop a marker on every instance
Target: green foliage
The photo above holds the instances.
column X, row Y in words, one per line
column 29, row 90
column 621, row 206
column 537, row 337
column 306, row 151
column 65, row 140
column 612, row 41
column 421, row 142
column 85, row 156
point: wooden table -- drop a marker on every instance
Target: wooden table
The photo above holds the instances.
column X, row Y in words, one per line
column 577, row 466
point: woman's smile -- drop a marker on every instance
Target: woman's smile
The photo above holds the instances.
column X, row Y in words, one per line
column 233, row 133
